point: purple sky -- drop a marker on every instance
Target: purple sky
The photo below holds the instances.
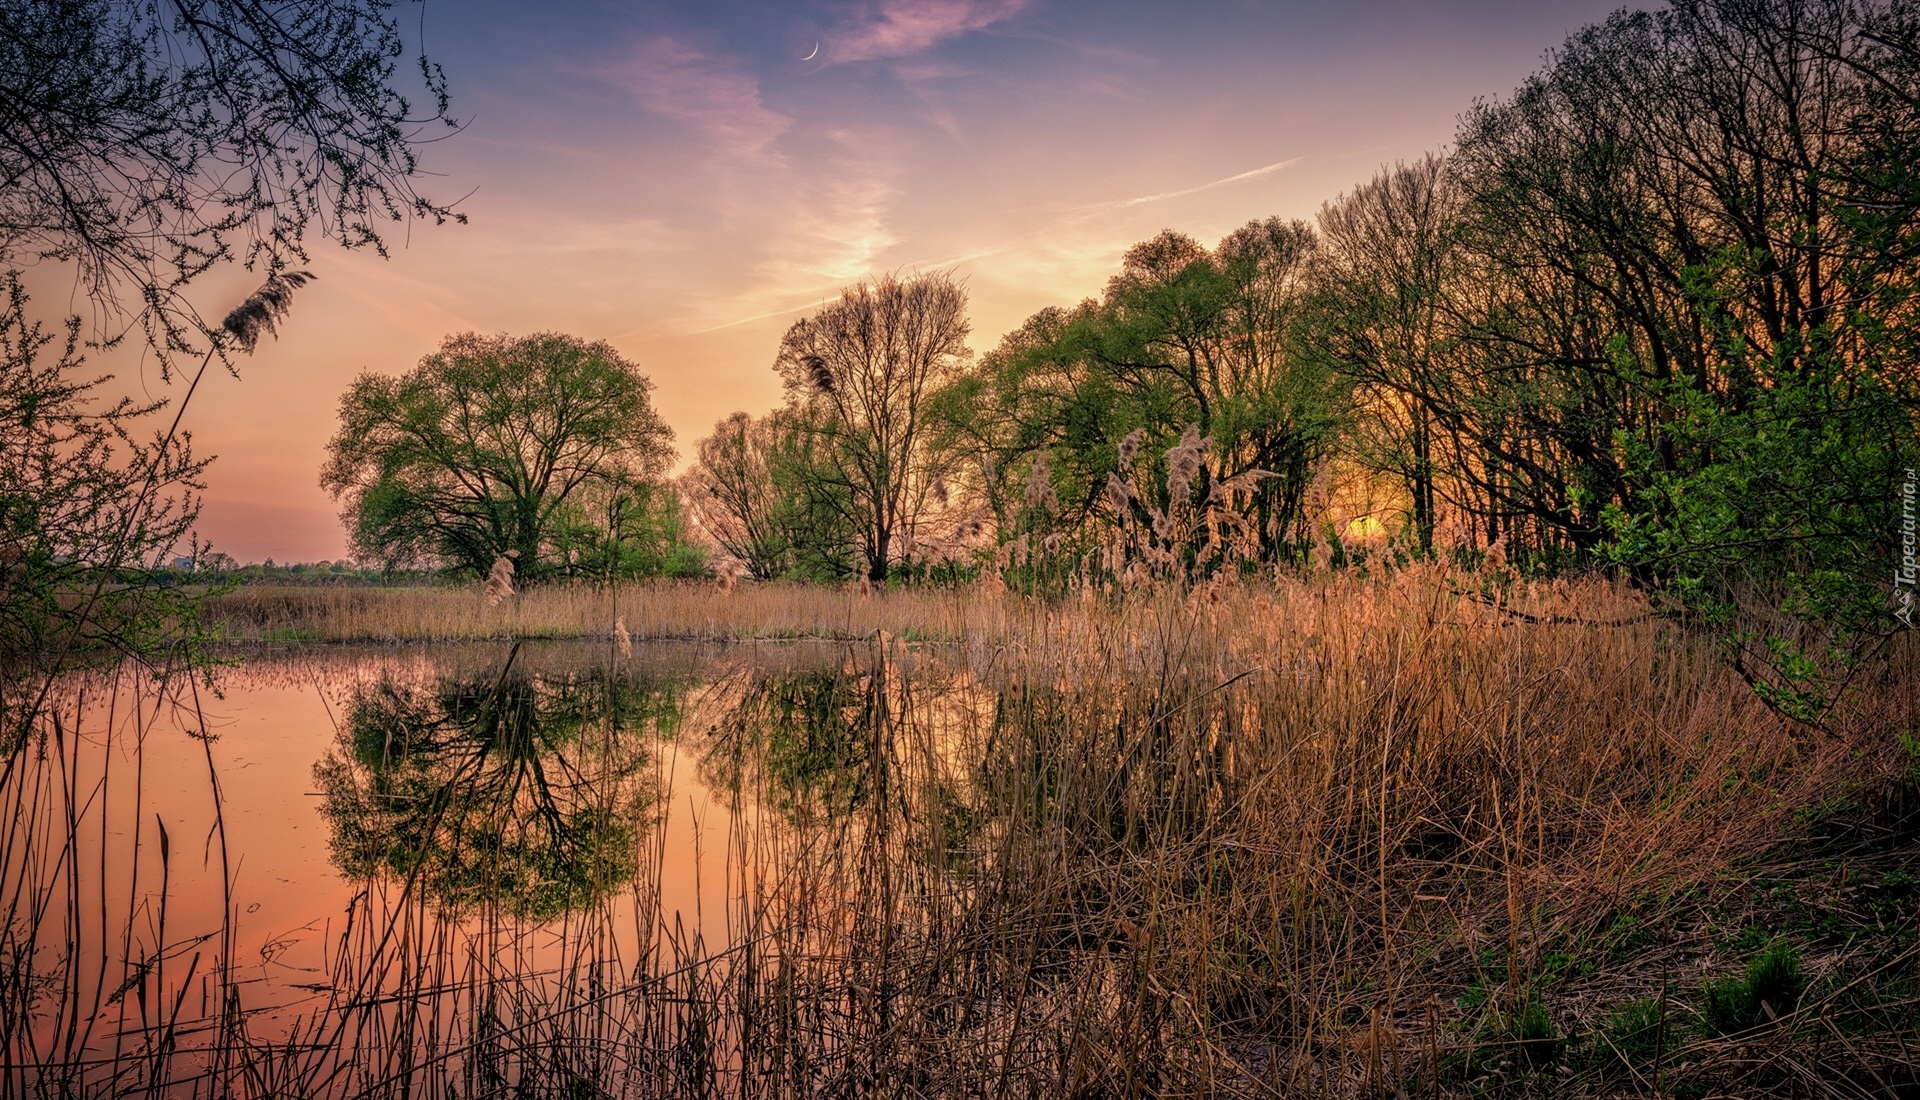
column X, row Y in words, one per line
column 681, row 181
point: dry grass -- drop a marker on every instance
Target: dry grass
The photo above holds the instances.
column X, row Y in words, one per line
column 683, row 611
column 1346, row 837
column 1351, row 838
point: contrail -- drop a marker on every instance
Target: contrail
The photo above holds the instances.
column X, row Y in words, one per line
column 758, row 317
column 1086, row 212
column 1261, row 171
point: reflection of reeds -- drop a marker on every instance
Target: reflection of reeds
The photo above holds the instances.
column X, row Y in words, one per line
column 1242, row 840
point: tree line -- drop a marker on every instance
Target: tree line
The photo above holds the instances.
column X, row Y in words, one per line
column 1653, row 312
column 1650, row 313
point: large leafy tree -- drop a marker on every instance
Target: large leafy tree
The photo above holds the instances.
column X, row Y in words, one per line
column 534, row 445
column 1180, row 388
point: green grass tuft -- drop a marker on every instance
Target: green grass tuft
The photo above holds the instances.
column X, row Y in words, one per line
column 1770, row 988
column 1630, row 1033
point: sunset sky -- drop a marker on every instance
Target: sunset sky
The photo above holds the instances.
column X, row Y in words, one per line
column 680, row 181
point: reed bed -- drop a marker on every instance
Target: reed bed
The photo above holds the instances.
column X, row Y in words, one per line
column 1406, row 836
column 666, row 610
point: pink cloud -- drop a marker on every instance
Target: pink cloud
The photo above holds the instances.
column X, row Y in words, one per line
column 715, row 96
column 902, row 28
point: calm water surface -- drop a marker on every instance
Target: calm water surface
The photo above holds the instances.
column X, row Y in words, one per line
column 364, row 866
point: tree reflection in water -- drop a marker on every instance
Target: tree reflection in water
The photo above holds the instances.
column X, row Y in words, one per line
column 525, row 789
column 878, row 741
column 850, row 818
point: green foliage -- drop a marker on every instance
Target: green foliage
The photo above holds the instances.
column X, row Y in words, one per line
column 1778, row 539
column 811, row 736
column 1769, row 988
column 501, row 788
column 1174, row 413
column 1641, row 317
column 1532, row 1028
column 545, row 445
column 644, row 534
column 764, row 490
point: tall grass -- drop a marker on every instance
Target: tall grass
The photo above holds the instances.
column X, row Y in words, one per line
column 1348, row 838
column 665, row 610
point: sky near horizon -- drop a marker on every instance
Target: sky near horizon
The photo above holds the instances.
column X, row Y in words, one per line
column 686, row 180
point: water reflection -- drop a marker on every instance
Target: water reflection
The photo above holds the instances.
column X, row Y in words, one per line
column 527, row 789
column 801, row 738
column 849, row 741
column 539, row 871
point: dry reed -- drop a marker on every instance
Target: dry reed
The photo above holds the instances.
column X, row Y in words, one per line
column 683, row 611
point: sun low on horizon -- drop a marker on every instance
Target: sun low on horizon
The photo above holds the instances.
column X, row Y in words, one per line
column 685, row 181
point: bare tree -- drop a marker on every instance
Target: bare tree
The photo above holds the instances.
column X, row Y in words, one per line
column 869, row 362
column 1380, row 273
column 732, row 492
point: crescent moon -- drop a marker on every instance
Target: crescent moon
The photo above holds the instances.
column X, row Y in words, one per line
column 811, row 56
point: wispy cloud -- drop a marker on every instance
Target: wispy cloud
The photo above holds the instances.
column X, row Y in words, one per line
column 839, row 235
column 901, row 28
column 713, row 95
column 835, row 225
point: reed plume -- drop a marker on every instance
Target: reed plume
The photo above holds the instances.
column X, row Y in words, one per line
column 263, row 309
column 820, row 374
column 1184, row 460
column 500, row 579
column 1040, row 494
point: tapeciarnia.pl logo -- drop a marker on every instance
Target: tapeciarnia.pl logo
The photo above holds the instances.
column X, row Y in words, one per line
column 1906, row 570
